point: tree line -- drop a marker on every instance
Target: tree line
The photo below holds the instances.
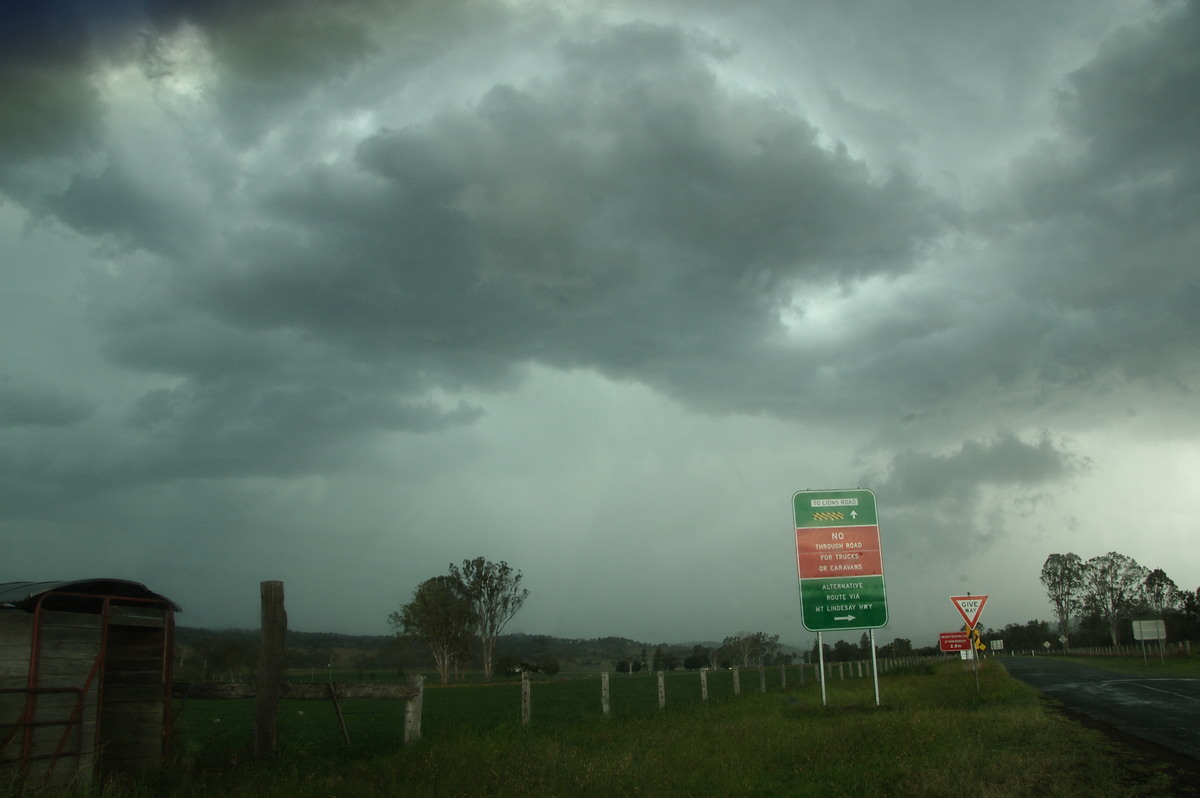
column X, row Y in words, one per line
column 1093, row 599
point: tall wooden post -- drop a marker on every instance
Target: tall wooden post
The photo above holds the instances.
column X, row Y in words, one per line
column 604, row 707
column 737, row 681
column 525, row 708
column 662, row 692
column 412, row 710
column 704, row 684
column 762, row 679
column 270, row 670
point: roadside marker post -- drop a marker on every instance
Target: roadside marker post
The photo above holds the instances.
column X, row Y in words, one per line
column 970, row 608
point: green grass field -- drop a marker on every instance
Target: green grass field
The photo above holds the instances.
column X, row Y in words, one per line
column 935, row 734
column 1151, row 665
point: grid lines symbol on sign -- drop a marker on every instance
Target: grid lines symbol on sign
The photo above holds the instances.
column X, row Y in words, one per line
column 829, row 516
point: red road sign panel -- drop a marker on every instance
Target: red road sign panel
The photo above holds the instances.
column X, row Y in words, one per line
column 954, row 641
column 969, row 607
column 838, row 551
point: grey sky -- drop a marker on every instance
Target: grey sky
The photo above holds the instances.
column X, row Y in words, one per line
column 338, row 293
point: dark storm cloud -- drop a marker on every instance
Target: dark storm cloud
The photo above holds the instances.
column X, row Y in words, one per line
column 625, row 210
column 113, row 204
column 1107, row 218
column 24, row 405
column 1005, row 461
column 365, row 272
column 954, row 505
column 269, row 55
column 631, row 187
column 47, row 103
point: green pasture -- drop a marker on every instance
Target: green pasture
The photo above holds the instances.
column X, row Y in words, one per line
column 1151, row 665
column 212, row 728
column 937, row 733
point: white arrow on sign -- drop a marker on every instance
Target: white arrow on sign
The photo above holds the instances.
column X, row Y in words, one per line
column 844, row 618
column 854, row 513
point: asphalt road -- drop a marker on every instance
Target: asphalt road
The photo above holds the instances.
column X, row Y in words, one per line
column 1165, row 711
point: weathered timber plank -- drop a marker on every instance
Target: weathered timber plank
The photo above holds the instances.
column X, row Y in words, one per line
column 70, row 620
column 16, row 626
column 120, row 615
column 64, row 667
column 116, row 678
column 49, row 705
column 301, row 690
column 130, row 655
column 135, row 692
column 46, row 739
column 122, row 636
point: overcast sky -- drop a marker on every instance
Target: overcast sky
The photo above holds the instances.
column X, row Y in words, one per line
column 338, row 293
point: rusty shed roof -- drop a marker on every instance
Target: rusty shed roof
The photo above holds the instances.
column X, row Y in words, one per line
column 25, row 594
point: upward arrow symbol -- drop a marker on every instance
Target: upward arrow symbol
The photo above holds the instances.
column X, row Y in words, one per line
column 854, row 513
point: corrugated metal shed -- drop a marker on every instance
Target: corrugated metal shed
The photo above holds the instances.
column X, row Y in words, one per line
column 85, row 678
column 24, row 595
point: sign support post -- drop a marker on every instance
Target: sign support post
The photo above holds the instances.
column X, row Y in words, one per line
column 874, row 667
column 970, row 607
column 821, row 667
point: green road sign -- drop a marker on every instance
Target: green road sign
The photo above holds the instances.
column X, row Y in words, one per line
column 839, row 560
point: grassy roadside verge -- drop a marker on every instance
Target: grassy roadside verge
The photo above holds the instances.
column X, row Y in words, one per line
column 1171, row 667
column 934, row 735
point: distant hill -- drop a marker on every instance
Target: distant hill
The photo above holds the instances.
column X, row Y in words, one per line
column 230, row 654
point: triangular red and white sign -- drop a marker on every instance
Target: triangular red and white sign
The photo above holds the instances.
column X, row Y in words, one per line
column 969, row 607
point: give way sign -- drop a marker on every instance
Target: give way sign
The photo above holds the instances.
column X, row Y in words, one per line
column 969, row 607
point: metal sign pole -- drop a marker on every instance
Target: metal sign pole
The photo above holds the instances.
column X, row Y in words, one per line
column 821, row 665
column 875, row 667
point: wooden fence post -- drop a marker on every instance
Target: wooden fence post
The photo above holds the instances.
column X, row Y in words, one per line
column 270, row 670
column 704, row 684
column 412, row 710
column 662, row 691
column 525, row 709
column 604, row 706
column 737, row 681
column 762, row 679
column 783, row 677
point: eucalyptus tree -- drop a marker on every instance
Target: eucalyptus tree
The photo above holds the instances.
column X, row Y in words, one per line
column 442, row 617
column 751, row 647
column 1063, row 576
column 1160, row 592
column 1112, row 584
column 495, row 593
